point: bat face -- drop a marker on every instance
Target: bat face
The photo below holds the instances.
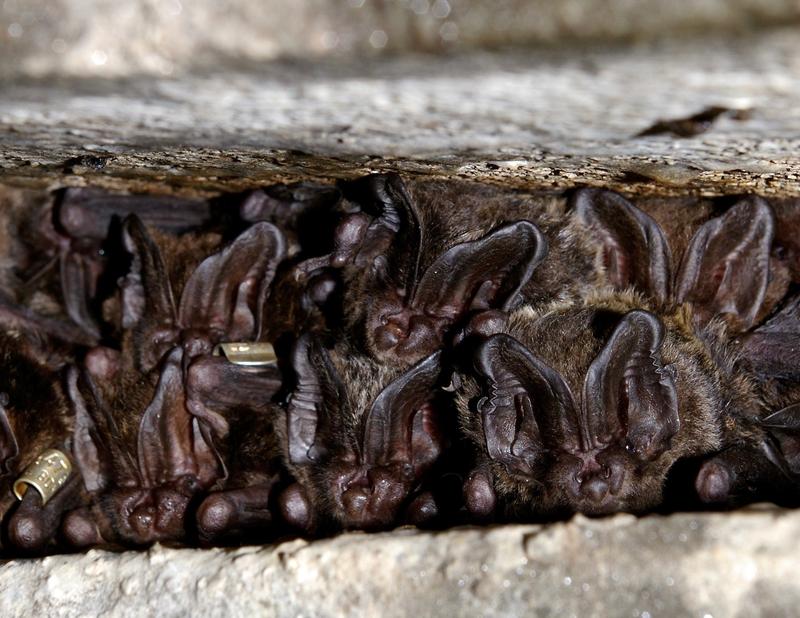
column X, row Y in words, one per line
column 142, row 517
column 361, row 438
column 587, row 407
column 142, row 456
column 415, row 268
column 150, row 420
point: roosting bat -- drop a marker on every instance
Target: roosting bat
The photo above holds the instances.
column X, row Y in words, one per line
column 585, row 406
column 35, row 428
column 430, row 257
column 151, row 428
column 364, row 440
column 70, row 250
column 307, row 214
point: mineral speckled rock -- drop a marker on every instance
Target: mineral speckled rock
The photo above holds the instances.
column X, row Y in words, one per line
column 540, row 118
column 742, row 564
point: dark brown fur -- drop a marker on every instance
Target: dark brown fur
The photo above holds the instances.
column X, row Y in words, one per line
column 694, row 366
column 34, row 417
column 567, row 337
column 405, row 228
column 160, row 405
column 363, row 458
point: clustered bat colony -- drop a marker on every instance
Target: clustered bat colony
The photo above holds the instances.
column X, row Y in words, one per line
column 305, row 359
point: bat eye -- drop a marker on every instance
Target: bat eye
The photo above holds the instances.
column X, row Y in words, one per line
column 188, row 484
column 606, row 472
column 408, row 470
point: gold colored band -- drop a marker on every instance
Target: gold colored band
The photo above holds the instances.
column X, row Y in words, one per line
column 47, row 474
column 248, row 354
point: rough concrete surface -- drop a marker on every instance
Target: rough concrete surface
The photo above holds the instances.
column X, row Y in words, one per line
column 701, row 565
column 167, row 37
column 537, row 118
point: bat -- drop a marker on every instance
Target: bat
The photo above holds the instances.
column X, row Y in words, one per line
column 151, row 426
column 71, row 241
column 586, row 406
column 304, row 285
column 34, row 418
column 420, row 260
column 307, row 213
column 363, row 440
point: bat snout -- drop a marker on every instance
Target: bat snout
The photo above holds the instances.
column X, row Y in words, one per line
column 390, row 334
column 595, row 490
column 596, row 483
column 142, row 520
column 371, row 500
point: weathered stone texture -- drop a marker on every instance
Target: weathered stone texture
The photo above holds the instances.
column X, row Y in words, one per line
column 537, row 118
column 169, row 37
column 732, row 565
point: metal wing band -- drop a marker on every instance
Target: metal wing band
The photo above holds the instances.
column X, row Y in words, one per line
column 47, row 474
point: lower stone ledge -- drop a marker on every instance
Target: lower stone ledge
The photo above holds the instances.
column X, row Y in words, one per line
column 701, row 564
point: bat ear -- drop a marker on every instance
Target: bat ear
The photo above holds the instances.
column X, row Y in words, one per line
column 313, row 402
column 388, row 218
column 476, row 276
column 629, row 390
column 79, row 276
column 148, row 305
column 227, row 292
column 725, row 270
column 401, row 425
column 482, row 274
column 88, row 448
column 634, row 249
column 8, row 441
column 171, row 442
column 784, row 427
column 527, row 408
column 146, row 292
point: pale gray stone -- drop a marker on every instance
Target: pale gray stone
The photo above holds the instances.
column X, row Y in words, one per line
column 167, row 37
column 742, row 564
column 545, row 119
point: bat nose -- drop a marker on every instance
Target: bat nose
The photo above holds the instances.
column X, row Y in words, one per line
column 595, row 490
column 389, row 335
column 321, row 287
column 354, row 501
column 142, row 519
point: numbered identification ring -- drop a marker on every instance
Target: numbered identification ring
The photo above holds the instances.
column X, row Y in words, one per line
column 247, row 354
column 47, row 474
